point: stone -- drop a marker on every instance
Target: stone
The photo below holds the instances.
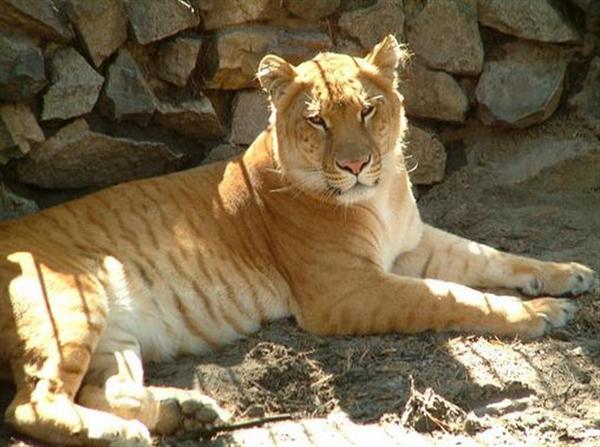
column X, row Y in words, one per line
column 22, row 71
column 177, row 59
column 223, row 152
column 445, row 34
column 102, row 25
column 13, row 205
column 425, row 156
column 432, row 94
column 522, row 85
column 153, row 20
column 20, row 128
column 194, row 118
column 74, row 88
column 77, row 157
column 127, row 95
column 250, row 116
column 586, row 102
column 223, row 13
column 40, row 18
column 533, row 20
column 315, row 10
column 370, row 25
column 233, row 55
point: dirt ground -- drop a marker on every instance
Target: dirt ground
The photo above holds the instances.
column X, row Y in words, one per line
column 534, row 192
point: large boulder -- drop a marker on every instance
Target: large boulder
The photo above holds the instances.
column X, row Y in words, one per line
column 370, row 25
column 315, row 10
column 74, row 88
column 223, row 13
column 531, row 19
column 13, row 205
column 233, row 55
column 432, row 94
column 194, row 118
column 22, row 72
column 177, row 59
column 153, row 20
column 127, row 94
column 250, row 116
column 223, row 152
column 40, row 18
column 102, row 25
column 521, row 84
column 425, row 156
column 77, row 157
column 586, row 102
column 19, row 129
column 445, row 34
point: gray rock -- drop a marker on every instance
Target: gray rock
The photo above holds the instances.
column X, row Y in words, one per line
column 21, row 67
column 195, row 118
column 250, row 116
column 223, row 152
column 41, row 18
column 522, row 86
column 586, row 102
column 370, row 25
column 533, row 19
column 445, row 34
column 102, row 25
column 233, row 55
column 425, row 156
column 74, row 88
column 127, row 95
column 13, row 205
column 19, row 129
column 153, row 20
column 315, row 10
column 432, row 94
column 177, row 59
column 222, row 13
column 77, row 157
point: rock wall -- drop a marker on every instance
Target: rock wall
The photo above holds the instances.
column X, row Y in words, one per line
column 98, row 92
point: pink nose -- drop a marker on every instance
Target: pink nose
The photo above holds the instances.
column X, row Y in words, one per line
column 354, row 166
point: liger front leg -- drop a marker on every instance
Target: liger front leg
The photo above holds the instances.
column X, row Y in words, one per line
column 444, row 256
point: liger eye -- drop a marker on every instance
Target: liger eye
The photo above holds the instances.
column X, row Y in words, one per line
column 316, row 120
column 367, row 111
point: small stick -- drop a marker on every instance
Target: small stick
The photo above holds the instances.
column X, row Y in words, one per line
column 258, row 422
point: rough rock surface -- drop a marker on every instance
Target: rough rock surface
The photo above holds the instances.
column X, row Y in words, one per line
column 102, row 25
column 153, row 20
column 432, row 94
column 126, row 92
column 317, row 10
column 42, row 18
column 531, row 19
column 77, row 157
column 425, row 156
column 222, row 13
column 177, row 59
column 21, row 67
column 250, row 116
column 18, row 128
column 522, row 86
column 74, row 88
column 445, row 34
column 233, row 55
column 194, row 118
column 587, row 101
column 370, row 25
column 222, row 152
column 13, row 205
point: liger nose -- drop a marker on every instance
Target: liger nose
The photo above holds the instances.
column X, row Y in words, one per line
column 354, row 166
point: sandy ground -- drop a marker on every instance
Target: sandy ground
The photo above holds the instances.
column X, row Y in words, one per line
column 534, row 192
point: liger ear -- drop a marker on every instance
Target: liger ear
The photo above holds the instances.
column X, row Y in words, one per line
column 387, row 55
column 275, row 75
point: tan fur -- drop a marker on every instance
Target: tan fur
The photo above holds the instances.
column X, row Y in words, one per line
column 188, row 261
